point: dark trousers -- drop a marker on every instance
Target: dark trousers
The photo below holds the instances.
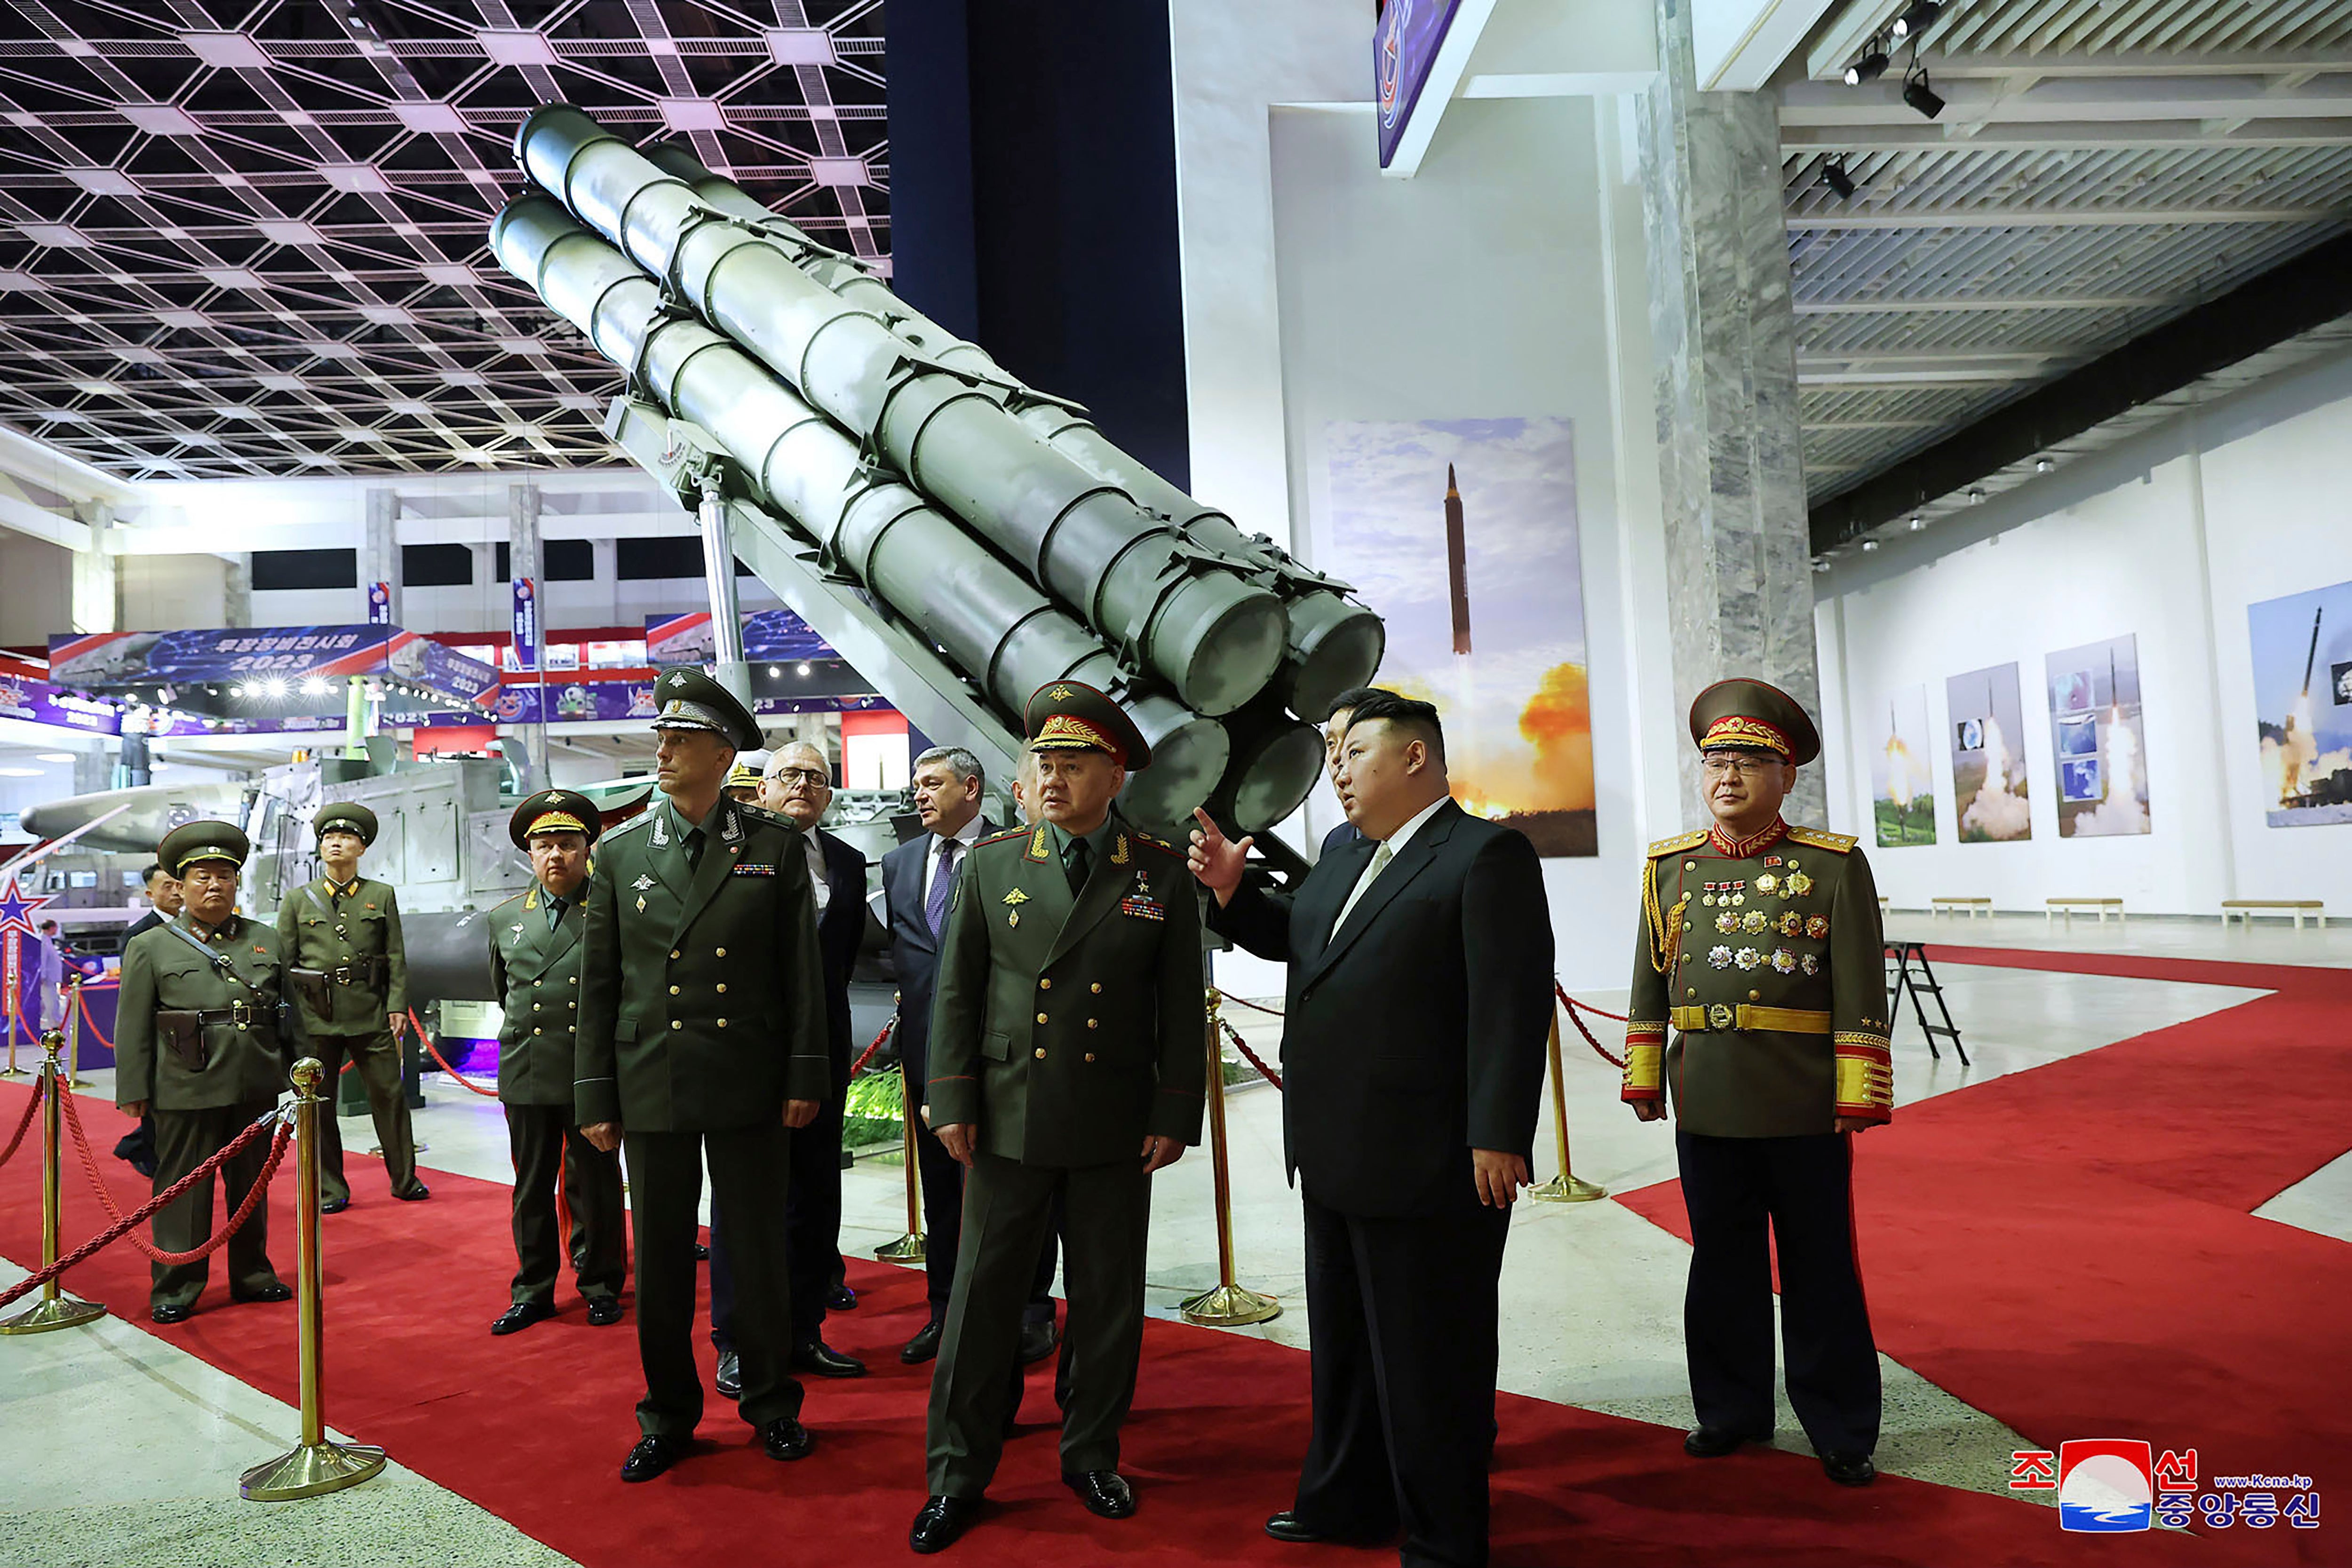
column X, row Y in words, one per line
column 750, row 1167
column 1008, row 1213
column 942, row 1180
column 183, row 1141
column 812, row 1232
column 1804, row 1187
column 548, row 1149
column 376, row 1058
column 1404, row 1321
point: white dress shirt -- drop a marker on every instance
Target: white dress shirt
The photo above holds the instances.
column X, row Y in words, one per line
column 1394, row 846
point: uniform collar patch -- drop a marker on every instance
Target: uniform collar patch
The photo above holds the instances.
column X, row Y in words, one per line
column 1744, row 848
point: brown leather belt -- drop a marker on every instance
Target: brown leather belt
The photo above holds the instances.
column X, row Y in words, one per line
column 1724, row 1016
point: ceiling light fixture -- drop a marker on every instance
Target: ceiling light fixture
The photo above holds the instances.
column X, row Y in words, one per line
column 1920, row 95
column 1834, row 175
column 1920, row 17
column 1918, row 522
column 2043, row 465
column 1870, row 544
column 1868, row 65
column 1976, row 498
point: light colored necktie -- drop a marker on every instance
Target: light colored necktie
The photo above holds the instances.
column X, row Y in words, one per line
column 1380, row 859
column 818, row 885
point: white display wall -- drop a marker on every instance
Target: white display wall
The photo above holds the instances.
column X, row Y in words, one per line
column 2170, row 538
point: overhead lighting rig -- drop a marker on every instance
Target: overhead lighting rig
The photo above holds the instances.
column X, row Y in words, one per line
column 1869, row 64
column 1920, row 95
column 1834, row 175
column 1916, row 18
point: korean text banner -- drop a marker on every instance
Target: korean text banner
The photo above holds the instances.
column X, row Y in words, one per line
column 774, row 636
column 101, row 661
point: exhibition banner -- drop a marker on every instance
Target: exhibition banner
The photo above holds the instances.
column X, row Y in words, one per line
column 1901, row 788
column 1405, row 42
column 2302, row 648
column 101, row 661
column 379, row 603
column 39, row 703
column 774, row 637
column 2099, row 739
column 1988, row 755
column 526, row 625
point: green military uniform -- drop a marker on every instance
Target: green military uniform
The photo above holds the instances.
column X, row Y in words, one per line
column 535, row 965
column 1763, row 960
column 224, row 1072
column 701, row 1013
column 1068, row 1026
column 348, row 974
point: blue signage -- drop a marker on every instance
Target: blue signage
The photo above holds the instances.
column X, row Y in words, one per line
column 526, row 624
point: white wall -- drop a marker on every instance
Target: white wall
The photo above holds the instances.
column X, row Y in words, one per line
column 2169, row 537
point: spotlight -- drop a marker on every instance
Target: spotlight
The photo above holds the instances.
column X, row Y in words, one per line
column 774, row 673
column 237, row 691
column 803, row 668
column 275, row 687
column 2043, row 465
column 1917, row 19
column 1868, row 65
column 314, row 686
column 1821, row 567
column 1920, row 96
column 1868, row 544
column 1976, row 497
column 1834, row 177
column 1918, row 522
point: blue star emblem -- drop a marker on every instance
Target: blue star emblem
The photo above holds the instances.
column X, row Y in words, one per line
column 15, row 910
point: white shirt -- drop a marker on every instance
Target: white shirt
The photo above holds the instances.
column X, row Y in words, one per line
column 1394, row 843
column 967, row 836
column 818, row 883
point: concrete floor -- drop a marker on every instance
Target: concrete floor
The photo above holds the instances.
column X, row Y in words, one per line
column 1591, row 1291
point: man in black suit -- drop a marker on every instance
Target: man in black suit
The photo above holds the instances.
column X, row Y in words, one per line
column 1419, row 1001
column 163, row 899
column 798, row 786
column 916, row 877
column 1335, row 730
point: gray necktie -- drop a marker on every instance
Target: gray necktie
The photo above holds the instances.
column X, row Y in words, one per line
column 1380, row 859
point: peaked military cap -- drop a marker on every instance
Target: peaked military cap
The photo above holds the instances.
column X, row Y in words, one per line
column 1744, row 715
column 555, row 811
column 193, row 842
column 348, row 817
column 1066, row 716
column 742, row 776
column 689, row 700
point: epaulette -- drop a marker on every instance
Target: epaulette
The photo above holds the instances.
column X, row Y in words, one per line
column 516, row 900
column 1679, row 842
column 758, row 813
column 629, row 827
column 1821, row 838
column 1001, row 837
column 1159, row 844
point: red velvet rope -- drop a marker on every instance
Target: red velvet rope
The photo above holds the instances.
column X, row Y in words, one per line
column 1254, row 1007
column 430, row 1050
column 1250, row 1056
column 31, row 1105
column 89, row 1023
column 859, row 1066
column 1572, row 1005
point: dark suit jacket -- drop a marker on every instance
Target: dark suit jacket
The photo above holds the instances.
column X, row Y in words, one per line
column 1414, row 1033
column 839, row 931
column 914, row 952
column 1339, row 837
column 145, row 922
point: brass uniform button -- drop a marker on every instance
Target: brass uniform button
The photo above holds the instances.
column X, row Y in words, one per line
column 1096, row 987
column 673, row 990
column 722, row 988
column 1756, row 995
column 1041, row 1017
column 1687, row 926
column 1090, row 1056
column 676, row 1025
column 1690, row 864
column 538, row 983
column 1690, row 991
column 1041, row 1053
column 722, row 953
column 1092, row 1024
column 539, row 1031
column 1045, row 985
column 672, row 952
column 722, row 1022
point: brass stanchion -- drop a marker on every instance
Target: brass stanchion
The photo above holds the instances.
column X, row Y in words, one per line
column 55, row 1309
column 72, row 994
column 1228, row 1306
column 15, row 1019
column 909, row 1248
column 314, row 1467
column 1567, row 1187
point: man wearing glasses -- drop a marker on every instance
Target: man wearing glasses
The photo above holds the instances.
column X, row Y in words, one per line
column 1761, row 950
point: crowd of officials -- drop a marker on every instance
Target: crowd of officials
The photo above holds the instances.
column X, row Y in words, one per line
column 675, row 996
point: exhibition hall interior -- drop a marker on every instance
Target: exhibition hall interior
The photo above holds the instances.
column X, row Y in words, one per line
column 1730, row 619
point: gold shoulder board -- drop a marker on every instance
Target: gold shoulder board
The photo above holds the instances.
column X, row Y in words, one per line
column 1821, row 838
column 1679, row 842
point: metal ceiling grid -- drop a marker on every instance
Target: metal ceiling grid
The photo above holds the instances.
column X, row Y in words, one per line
column 249, row 239
column 2102, row 166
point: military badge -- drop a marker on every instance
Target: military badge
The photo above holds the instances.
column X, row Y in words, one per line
column 1792, row 924
column 1727, row 922
column 641, row 903
column 1748, row 958
column 1016, row 897
column 1119, row 855
column 1721, row 1017
column 1767, row 882
column 1798, row 885
column 1817, row 927
column 1811, row 963
column 1755, row 922
column 1142, row 908
column 642, row 883
column 1784, row 961
column 1720, row 957
column 516, row 928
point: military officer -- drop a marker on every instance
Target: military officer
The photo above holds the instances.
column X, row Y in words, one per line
column 535, row 965
column 1760, row 957
column 348, row 975
column 198, row 1044
column 743, row 782
column 702, row 1037
column 1066, row 1058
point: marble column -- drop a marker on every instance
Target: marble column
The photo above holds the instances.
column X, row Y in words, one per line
column 97, row 578
column 1731, row 480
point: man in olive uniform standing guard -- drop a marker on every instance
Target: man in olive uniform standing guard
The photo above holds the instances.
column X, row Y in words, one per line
column 1761, row 950
column 535, row 966
column 348, row 972
column 1067, row 1056
column 197, row 1042
column 702, row 1037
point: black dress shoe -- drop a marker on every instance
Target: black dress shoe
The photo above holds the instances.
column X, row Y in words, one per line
column 651, row 1457
column 522, row 1315
column 1037, row 1341
column 1289, row 1526
column 942, row 1521
column 1715, row 1442
column 701, row 1253
column 1104, row 1493
column 822, row 1359
column 170, row 1313
column 1849, row 1469
column 415, row 1195
column 842, row 1299
column 922, row 1347
column 277, row 1291
column 334, row 1206
column 730, row 1381
column 785, row 1438
column 604, row 1312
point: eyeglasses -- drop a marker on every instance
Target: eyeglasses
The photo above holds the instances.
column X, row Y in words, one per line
column 1737, row 767
column 812, row 777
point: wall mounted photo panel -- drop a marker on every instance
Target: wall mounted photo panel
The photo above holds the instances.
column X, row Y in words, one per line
column 2301, row 648
column 1902, row 783
column 1988, row 789
column 2099, row 735
column 1462, row 534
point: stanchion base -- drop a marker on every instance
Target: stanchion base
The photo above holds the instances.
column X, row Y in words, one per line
column 16, row 1072
column 79, row 1083
column 65, row 1313
column 1566, row 1189
column 1230, row 1306
column 906, row 1249
column 311, row 1470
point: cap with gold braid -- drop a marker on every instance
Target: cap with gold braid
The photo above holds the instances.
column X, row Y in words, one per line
column 692, row 700
column 1065, row 715
column 1744, row 715
column 742, row 776
column 348, row 817
column 191, row 843
column 555, row 811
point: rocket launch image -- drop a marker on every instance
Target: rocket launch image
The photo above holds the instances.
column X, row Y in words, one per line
column 1457, row 567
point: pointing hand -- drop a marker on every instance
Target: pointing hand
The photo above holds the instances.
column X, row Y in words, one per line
column 1216, row 861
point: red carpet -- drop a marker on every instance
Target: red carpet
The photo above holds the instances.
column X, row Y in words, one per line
column 533, row 1426
column 2071, row 1248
